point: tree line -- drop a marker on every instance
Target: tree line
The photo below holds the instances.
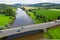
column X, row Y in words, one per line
column 8, row 11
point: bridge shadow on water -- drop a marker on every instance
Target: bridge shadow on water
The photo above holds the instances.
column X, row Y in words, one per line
column 35, row 36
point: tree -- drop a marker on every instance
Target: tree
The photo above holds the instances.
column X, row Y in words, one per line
column 30, row 10
column 9, row 12
column 49, row 20
column 58, row 17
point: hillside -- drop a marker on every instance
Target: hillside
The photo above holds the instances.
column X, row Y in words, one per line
column 47, row 5
column 17, row 5
column 2, row 6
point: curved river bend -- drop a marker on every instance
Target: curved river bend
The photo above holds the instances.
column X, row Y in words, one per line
column 22, row 19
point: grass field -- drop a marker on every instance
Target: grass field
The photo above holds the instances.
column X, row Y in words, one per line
column 27, row 8
column 53, row 33
column 4, row 20
column 55, row 9
column 34, row 17
column 50, row 14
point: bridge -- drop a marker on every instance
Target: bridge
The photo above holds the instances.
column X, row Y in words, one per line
column 12, row 31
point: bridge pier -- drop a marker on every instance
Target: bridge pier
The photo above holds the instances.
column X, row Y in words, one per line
column 44, row 30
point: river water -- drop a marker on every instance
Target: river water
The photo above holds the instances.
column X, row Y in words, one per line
column 35, row 36
column 22, row 19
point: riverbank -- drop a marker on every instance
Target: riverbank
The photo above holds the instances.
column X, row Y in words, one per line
column 43, row 15
column 53, row 33
column 6, row 20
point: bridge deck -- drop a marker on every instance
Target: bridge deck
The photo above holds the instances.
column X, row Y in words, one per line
column 22, row 29
column 35, row 36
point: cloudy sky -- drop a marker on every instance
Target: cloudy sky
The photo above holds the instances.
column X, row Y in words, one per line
column 27, row 1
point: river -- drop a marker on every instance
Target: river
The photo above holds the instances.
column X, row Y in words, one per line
column 35, row 36
column 22, row 19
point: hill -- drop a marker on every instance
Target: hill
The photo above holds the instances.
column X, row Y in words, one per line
column 47, row 5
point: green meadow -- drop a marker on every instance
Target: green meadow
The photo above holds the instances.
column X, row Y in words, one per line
column 7, row 17
column 53, row 33
column 42, row 15
column 4, row 19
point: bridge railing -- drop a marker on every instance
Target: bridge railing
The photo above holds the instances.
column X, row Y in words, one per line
column 7, row 32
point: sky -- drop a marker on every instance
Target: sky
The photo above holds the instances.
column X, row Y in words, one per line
column 27, row 1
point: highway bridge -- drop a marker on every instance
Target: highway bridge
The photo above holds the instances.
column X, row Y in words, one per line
column 18, row 30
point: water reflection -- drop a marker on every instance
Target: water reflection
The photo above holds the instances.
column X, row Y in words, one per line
column 22, row 19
